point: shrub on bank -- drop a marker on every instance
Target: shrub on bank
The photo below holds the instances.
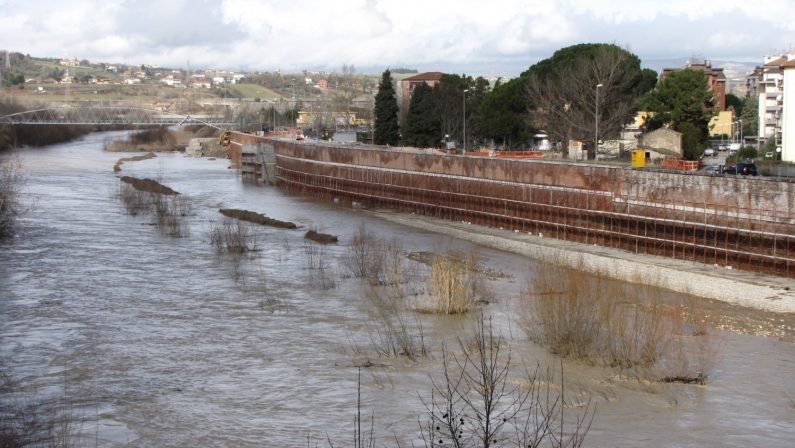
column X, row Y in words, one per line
column 602, row 321
column 10, row 181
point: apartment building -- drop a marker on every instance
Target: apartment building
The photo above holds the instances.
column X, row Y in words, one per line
column 788, row 111
column 716, row 80
column 770, row 91
column 408, row 85
column 776, row 92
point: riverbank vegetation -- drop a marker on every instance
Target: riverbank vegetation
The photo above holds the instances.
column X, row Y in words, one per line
column 10, row 206
column 34, row 135
column 166, row 139
column 595, row 319
column 154, row 139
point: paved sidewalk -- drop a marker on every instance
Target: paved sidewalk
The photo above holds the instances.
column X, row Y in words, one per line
column 742, row 288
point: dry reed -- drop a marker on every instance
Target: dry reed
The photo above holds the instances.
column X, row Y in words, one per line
column 602, row 321
column 452, row 287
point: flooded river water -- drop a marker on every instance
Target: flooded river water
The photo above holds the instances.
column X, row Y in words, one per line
column 159, row 341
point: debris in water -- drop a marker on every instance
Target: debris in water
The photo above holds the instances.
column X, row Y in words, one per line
column 149, row 185
column 117, row 166
column 322, row 238
column 257, row 218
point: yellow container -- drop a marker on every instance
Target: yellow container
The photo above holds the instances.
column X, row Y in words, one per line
column 638, row 158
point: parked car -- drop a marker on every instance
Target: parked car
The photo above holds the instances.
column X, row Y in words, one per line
column 709, row 152
column 712, row 170
column 744, row 169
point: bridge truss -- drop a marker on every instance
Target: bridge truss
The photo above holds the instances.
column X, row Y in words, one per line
column 111, row 116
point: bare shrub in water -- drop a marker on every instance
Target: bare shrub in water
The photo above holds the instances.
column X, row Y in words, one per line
column 26, row 421
column 379, row 261
column 393, row 333
column 363, row 256
column 315, row 259
column 170, row 211
column 393, row 268
column 171, row 214
column 10, row 183
column 475, row 404
column 232, row 236
column 314, row 256
column 593, row 318
column 135, row 201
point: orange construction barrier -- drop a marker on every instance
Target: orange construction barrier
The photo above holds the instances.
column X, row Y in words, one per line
column 683, row 165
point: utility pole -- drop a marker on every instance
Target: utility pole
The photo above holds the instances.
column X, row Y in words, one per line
column 596, row 131
column 465, row 119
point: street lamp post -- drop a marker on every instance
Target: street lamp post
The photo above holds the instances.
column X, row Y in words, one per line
column 464, row 95
column 295, row 108
column 735, row 131
column 596, row 130
column 741, row 132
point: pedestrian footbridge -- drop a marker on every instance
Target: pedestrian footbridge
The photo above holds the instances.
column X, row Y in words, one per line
column 111, row 116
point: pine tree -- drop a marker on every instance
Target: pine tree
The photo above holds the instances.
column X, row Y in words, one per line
column 387, row 130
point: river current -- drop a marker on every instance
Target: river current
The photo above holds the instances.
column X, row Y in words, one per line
column 160, row 341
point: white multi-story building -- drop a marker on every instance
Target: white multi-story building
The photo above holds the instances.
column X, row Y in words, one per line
column 776, row 90
column 770, row 91
column 788, row 112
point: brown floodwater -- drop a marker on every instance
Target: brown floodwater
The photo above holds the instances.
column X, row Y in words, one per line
column 161, row 341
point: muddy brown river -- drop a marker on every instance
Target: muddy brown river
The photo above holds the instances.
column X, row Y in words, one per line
column 160, row 341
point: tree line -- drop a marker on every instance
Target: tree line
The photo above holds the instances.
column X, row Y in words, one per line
column 563, row 95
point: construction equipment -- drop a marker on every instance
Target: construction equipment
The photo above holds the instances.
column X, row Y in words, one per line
column 226, row 139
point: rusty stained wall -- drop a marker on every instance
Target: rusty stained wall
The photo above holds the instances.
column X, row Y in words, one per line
column 727, row 193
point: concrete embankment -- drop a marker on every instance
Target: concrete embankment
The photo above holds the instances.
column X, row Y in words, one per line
column 733, row 229
column 742, row 288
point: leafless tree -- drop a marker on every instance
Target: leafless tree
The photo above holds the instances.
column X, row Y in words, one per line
column 474, row 405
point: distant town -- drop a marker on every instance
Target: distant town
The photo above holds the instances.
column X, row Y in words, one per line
column 745, row 111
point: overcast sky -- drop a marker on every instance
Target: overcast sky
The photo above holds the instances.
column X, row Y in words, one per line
column 479, row 37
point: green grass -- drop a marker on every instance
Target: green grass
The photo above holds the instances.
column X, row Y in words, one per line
column 255, row 91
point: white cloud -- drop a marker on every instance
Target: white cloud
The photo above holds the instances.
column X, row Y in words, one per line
column 508, row 35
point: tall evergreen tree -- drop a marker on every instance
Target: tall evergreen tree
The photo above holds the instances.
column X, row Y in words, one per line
column 683, row 101
column 422, row 128
column 750, row 116
column 387, row 129
column 504, row 115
